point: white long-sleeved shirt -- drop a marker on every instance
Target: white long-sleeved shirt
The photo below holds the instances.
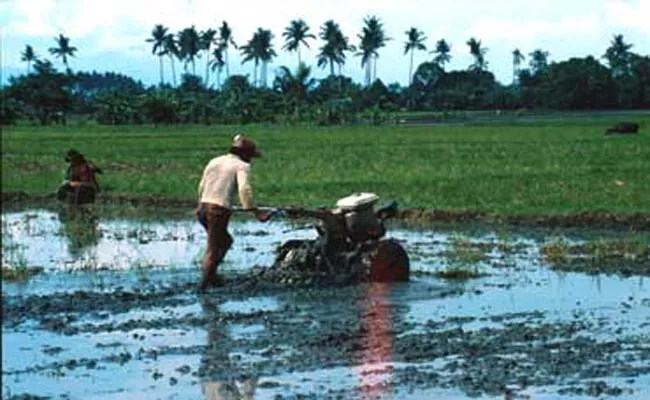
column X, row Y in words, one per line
column 221, row 177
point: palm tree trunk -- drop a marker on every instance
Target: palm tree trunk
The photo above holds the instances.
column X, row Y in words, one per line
column 368, row 72
column 160, row 61
column 255, row 74
column 299, row 57
column 331, row 67
column 207, row 69
column 265, row 69
column 171, row 57
column 219, row 78
column 227, row 63
column 374, row 68
column 193, row 67
column 410, row 81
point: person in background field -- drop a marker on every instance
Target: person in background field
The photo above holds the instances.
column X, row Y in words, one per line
column 221, row 178
column 80, row 183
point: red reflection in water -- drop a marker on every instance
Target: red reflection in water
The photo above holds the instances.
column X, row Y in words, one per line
column 375, row 347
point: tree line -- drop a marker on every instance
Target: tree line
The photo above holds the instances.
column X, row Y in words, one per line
column 46, row 95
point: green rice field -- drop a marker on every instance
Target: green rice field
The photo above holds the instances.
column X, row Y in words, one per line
column 537, row 166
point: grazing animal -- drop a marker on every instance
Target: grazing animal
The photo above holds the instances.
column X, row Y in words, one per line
column 623, row 128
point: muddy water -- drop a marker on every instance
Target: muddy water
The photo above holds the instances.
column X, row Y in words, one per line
column 115, row 315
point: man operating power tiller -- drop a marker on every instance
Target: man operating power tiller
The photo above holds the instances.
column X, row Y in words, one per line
column 221, row 178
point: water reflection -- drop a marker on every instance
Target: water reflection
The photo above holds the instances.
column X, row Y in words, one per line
column 374, row 354
column 80, row 226
column 217, row 357
column 83, row 237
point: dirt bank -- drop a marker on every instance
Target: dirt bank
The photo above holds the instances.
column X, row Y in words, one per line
column 604, row 220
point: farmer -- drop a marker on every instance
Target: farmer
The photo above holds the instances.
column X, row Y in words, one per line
column 80, row 181
column 221, row 177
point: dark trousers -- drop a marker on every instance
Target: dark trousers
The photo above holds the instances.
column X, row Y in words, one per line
column 215, row 220
column 83, row 194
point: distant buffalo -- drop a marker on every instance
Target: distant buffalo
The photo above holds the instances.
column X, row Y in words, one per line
column 623, row 128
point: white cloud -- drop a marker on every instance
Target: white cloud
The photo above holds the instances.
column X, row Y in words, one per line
column 30, row 18
column 629, row 14
column 530, row 31
column 119, row 27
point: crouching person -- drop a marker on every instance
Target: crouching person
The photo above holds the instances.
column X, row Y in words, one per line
column 221, row 178
column 80, row 185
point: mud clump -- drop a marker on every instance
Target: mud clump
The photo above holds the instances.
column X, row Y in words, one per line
column 595, row 389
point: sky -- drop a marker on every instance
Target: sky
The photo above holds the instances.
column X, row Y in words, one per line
column 110, row 35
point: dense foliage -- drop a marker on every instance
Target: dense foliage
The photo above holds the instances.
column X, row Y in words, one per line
column 45, row 95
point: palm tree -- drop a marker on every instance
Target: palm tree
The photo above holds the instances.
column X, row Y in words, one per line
column 63, row 49
column 266, row 50
column 618, row 56
column 44, row 67
column 415, row 41
column 336, row 44
column 366, row 53
column 441, row 52
column 158, row 39
column 225, row 40
column 478, row 53
column 172, row 50
column 295, row 86
column 331, row 33
column 377, row 30
column 538, row 60
column 372, row 38
column 249, row 53
column 207, row 39
column 517, row 59
column 28, row 56
column 189, row 46
column 259, row 49
column 217, row 63
column 296, row 34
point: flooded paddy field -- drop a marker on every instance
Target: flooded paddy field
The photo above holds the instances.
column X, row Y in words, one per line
column 112, row 312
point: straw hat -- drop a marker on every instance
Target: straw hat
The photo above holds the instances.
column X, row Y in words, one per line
column 246, row 144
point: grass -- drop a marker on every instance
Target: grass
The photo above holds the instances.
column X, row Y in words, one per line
column 458, row 274
column 628, row 255
column 15, row 267
column 464, row 257
column 634, row 248
column 556, row 251
column 19, row 273
column 14, row 263
column 511, row 169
